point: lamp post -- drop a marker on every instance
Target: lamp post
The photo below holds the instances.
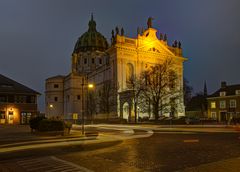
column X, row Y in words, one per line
column 89, row 86
column 50, row 110
column 90, row 101
column 82, row 107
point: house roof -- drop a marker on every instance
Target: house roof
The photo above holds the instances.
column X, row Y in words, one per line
column 56, row 77
column 229, row 89
column 8, row 85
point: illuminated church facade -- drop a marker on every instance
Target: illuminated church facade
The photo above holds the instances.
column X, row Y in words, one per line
column 96, row 62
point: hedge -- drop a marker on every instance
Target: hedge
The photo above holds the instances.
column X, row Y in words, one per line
column 34, row 122
column 43, row 125
column 51, row 125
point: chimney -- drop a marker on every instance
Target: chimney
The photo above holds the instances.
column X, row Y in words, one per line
column 223, row 84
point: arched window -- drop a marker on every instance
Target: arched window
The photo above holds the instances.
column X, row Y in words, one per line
column 129, row 73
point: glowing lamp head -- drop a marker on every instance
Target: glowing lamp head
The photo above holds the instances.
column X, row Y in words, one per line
column 51, row 106
column 90, row 85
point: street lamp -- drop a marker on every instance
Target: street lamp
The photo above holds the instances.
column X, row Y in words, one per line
column 50, row 110
column 89, row 100
column 90, row 86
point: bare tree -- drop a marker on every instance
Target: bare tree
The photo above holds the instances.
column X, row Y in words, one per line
column 91, row 104
column 160, row 88
column 187, row 91
column 106, row 98
column 136, row 84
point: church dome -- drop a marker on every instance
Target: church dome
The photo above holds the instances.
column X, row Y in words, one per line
column 91, row 40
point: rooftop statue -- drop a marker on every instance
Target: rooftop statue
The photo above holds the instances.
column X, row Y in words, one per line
column 149, row 22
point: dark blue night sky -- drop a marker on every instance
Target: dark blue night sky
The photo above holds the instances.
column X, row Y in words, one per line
column 37, row 36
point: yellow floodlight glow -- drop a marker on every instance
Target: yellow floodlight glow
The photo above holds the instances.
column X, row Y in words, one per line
column 51, row 106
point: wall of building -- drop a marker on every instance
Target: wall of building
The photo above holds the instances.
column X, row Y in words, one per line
column 14, row 110
column 231, row 111
column 54, row 99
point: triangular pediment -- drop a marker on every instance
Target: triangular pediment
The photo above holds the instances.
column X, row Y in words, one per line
column 151, row 43
column 155, row 46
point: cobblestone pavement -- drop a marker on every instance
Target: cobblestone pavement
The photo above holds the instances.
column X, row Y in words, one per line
column 164, row 149
column 229, row 165
column 163, row 152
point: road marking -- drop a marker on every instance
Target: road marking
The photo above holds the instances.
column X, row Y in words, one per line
column 50, row 164
column 191, row 141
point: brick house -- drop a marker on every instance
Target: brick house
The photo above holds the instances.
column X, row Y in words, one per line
column 224, row 104
column 17, row 102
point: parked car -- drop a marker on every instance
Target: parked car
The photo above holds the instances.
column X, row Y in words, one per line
column 192, row 120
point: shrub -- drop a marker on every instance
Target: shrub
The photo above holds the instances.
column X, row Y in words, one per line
column 34, row 122
column 51, row 125
column 67, row 125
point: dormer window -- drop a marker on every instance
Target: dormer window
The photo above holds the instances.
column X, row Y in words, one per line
column 237, row 92
column 222, row 93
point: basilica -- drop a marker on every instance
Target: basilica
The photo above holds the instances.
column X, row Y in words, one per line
column 98, row 83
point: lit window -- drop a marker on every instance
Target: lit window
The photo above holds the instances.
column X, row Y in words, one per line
column 2, row 115
column 222, row 104
column 233, row 103
column 213, row 115
column 213, row 105
column 237, row 92
column 223, row 93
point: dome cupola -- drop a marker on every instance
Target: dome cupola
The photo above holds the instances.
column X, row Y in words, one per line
column 91, row 40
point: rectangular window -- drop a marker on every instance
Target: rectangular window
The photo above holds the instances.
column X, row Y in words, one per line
column 3, row 98
column 233, row 103
column 222, row 104
column 93, row 60
column 21, row 99
column 78, row 97
column 56, row 85
column 223, row 93
column 30, row 99
column 55, row 99
column 33, row 99
column 2, row 115
column 213, row 115
column 85, row 61
column 100, row 61
column 237, row 92
column 25, row 117
column 68, row 98
column 213, row 105
column 11, row 98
